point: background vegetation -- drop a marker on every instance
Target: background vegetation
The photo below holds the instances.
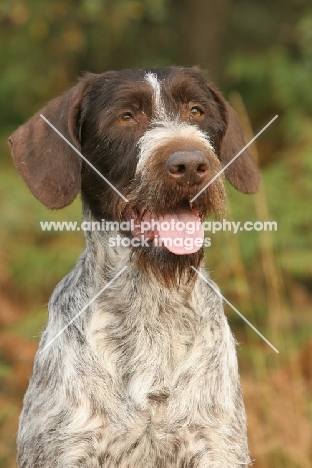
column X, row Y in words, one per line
column 259, row 53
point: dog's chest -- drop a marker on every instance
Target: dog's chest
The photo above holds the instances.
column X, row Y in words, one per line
column 143, row 342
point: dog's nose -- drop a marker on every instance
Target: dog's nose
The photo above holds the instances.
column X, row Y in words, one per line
column 187, row 167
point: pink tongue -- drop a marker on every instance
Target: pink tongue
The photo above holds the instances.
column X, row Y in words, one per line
column 177, row 240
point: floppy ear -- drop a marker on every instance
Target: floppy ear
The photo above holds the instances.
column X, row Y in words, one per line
column 48, row 165
column 243, row 173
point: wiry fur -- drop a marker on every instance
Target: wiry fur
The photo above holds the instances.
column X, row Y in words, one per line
column 144, row 378
column 147, row 376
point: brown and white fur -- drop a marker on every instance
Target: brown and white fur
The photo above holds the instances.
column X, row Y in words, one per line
column 147, row 376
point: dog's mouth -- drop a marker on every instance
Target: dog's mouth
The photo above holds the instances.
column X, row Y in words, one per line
column 179, row 231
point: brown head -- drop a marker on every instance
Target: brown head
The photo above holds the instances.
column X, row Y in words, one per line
column 159, row 136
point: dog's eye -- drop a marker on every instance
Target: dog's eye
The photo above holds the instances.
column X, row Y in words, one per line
column 196, row 112
column 126, row 117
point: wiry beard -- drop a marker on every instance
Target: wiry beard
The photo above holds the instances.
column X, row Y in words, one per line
column 172, row 271
column 158, row 198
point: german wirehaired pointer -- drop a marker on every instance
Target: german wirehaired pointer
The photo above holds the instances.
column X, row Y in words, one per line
column 146, row 376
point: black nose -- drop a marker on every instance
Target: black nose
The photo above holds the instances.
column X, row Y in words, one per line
column 187, row 167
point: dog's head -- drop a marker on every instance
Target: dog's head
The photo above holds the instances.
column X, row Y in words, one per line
column 158, row 136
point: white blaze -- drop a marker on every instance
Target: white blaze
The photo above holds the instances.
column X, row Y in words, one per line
column 160, row 112
column 164, row 128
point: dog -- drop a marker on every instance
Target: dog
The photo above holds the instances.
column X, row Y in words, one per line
column 147, row 374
